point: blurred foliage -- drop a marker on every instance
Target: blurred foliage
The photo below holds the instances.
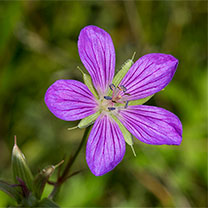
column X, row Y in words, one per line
column 38, row 45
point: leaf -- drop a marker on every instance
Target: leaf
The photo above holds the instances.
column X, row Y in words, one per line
column 20, row 168
column 47, row 203
column 13, row 192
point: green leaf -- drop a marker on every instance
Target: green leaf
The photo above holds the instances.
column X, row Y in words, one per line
column 85, row 122
column 42, row 178
column 20, row 167
column 140, row 101
column 127, row 135
column 14, row 192
column 47, row 203
column 88, row 81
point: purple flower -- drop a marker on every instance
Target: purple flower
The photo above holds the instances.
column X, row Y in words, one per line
column 114, row 105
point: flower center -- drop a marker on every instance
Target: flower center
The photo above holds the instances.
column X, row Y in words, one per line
column 119, row 96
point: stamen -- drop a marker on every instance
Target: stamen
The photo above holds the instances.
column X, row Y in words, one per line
column 123, row 88
column 126, row 104
column 119, row 88
column 108, row 97
column 127, row 94
column 112, row 87
column 111, row 108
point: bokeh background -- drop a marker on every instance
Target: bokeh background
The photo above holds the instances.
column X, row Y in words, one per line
column 38, row 45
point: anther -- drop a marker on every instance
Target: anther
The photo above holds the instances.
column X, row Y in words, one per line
column 119, row 88
column 127, row 94
column 123, row 88
column 108, row 97
column 112, row 87
column 126, row 104
column 111, row 108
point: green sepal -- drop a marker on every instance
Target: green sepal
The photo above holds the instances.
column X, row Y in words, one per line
column 127, row 135
column 88, row 81
column 41, row 180
column 121, row 73
column 85, row 122
column 140, row 101
column 14, row 192
column 20, row 168
column 47, row 203
column 136, row 102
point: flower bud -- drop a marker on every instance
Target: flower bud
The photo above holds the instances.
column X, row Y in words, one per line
column 42, row 178
column 20, row 167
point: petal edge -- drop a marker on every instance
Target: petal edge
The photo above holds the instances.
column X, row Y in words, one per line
column 105, row 146
column 70, row 100
column 152, row 125
column 149, row 74
column 97, row 53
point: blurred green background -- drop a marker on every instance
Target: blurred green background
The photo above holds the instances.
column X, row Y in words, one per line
column 38, row 45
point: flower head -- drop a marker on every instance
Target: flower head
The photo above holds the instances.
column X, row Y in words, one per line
column 114, row 108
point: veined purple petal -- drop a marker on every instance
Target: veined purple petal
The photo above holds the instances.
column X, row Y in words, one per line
column 105, row 146
column 150, row 74
column 152, row 125
column 97, row 53
column 70, row 100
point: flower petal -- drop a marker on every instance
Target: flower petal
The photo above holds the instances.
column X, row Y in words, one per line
column 150, row 74
column 152, row 125
column 105, row 146
column 97, row 53
column 70, row 100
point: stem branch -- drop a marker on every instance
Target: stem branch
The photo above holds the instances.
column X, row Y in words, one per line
column 65, row 174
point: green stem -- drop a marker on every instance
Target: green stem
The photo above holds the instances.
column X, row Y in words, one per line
column 70, row 162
